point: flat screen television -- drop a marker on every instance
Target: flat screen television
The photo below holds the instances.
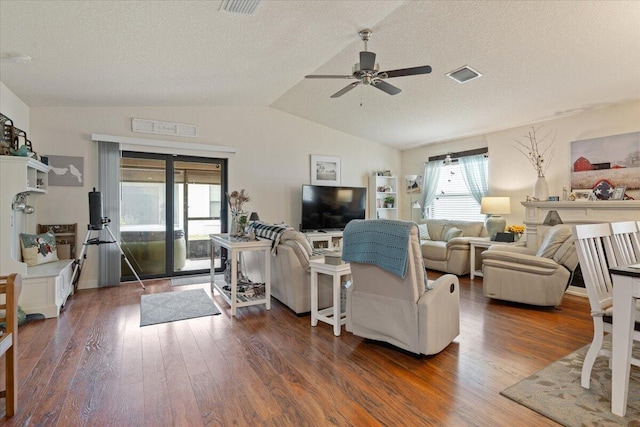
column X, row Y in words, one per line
column 331, row 208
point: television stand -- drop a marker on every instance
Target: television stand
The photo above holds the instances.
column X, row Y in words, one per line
column 325, row 239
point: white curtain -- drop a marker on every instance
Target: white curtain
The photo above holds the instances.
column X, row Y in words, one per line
column 474, row 172
column 430, row 183
column 109, row 186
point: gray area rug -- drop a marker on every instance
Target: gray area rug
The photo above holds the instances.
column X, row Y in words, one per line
column 191, row 280
column 555, row 392
column 172, row 306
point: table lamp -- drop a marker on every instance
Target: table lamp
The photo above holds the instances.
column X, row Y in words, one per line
column 494, row 207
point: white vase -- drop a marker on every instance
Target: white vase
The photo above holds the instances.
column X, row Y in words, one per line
column 541, row 189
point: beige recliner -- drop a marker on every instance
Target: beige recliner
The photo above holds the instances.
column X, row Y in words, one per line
column 401, row 311
column 516, row 273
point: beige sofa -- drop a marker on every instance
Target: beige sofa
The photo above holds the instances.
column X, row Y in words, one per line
column 450, row 255
column 291, row 273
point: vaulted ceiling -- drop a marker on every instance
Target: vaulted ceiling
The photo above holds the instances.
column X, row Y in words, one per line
column 539, row 60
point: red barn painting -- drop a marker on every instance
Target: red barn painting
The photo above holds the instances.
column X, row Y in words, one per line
column 615, row 159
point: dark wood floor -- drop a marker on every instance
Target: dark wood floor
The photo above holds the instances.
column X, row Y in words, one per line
column 96, row 366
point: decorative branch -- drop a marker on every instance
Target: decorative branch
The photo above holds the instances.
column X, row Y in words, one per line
column 535, row 150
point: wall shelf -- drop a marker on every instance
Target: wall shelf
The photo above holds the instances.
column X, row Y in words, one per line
column 381, row 187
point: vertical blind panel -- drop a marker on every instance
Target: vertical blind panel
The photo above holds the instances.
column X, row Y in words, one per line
column 453, row 199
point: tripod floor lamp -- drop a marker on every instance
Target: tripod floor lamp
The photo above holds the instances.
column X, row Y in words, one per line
column 412, row 187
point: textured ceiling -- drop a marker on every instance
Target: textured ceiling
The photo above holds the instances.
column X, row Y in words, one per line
column 539, row 60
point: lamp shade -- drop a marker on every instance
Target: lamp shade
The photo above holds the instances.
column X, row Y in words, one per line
column 254, row 216
column 495, row 205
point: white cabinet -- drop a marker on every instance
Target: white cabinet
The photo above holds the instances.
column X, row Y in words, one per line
column 382, row 188
column 18, row 175
column 45, row 287
column 327, row 240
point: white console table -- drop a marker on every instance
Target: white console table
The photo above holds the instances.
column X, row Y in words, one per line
column 234, row 247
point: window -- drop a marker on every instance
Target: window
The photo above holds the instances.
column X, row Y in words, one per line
column 453, row 199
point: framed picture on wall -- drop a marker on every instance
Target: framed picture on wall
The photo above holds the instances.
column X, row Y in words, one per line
column 66, row 171
column 325, row 170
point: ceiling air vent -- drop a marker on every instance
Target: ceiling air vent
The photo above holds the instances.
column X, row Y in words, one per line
column 464, row 74
column 247, row 7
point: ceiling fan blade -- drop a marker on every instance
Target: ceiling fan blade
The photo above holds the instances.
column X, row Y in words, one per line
column 413, row 71
column 327, row 76
column 386, row 87
column 367, row 60
column 345, row 90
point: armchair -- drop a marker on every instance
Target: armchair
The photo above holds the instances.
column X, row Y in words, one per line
column 517, row 274
column 385, row 307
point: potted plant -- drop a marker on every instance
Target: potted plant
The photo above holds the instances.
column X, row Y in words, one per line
column 389, row 201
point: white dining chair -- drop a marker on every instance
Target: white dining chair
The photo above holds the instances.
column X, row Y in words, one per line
column 596, row 254
column 626, row 244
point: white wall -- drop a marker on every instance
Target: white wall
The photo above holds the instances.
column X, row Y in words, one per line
column 510, row 173
column 14, row 108
column 272, row 160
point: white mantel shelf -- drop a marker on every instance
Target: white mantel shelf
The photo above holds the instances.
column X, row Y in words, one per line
column 582, row 212
column 626, row 205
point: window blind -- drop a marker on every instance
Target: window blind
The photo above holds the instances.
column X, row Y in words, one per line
column 453, row 199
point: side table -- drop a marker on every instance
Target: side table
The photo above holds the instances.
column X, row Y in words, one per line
column 235, row 247
column 330, row 315
column 481, row 243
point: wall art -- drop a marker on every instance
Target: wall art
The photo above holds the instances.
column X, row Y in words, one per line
column 66, row 171
column 325, row 170
column 602, row 164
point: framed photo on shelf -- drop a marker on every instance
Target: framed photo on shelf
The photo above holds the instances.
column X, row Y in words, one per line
column 325, row 170
column 618, row 192
column 584, row 195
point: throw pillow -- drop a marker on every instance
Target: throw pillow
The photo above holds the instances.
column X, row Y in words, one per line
column 38, row 249
column 451, row 233
column 423, row 231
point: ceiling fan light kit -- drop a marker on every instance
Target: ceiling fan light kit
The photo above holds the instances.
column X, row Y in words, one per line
column 367, row 73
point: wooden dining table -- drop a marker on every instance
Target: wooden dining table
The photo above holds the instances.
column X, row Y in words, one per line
column 626, row 290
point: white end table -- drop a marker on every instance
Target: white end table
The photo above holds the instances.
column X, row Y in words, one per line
column 481, row 243
column 330, row 315
column 235, row 247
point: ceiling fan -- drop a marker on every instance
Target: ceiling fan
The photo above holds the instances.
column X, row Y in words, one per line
column 366, row 72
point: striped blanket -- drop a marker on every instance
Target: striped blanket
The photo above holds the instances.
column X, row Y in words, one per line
column 271, row 232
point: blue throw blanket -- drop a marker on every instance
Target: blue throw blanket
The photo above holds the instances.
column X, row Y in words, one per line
column 381, row 242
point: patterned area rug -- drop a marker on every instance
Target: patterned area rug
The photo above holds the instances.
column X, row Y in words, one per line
column 172, row 306
column 555, row 392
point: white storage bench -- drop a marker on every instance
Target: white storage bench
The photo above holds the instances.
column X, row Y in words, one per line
column 45, row 288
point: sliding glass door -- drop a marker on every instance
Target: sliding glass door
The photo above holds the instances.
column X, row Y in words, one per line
column 170, row 205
